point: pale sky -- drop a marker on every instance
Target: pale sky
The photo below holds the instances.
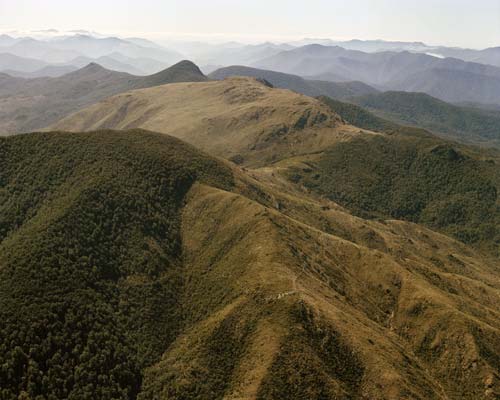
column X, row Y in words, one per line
column 466, row 23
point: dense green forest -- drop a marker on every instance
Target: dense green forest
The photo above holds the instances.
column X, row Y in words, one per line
column 415, row 178
column 419, row 109
column 90, row 259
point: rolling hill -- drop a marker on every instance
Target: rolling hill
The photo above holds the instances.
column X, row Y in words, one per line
column 239, row 118
column 32, row 104
column 133, row 266
column 336, row 90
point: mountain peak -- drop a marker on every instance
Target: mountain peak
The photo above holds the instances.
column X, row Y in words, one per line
column 93, row 66
column 186, row 66
column 183, row 71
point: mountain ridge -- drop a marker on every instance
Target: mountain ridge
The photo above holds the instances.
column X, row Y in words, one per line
column 278, row 294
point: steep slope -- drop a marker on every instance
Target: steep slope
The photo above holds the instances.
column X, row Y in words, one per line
column 408, row 174
column 336, row 90
column 33, row 104
column 135, row 267
column 238, row 118
column 418, row 109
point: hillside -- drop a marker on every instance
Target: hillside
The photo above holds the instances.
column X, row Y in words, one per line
column 133, row 266
column 238, row 118
column 411, row 176
column 33, row 104
column 418, row 109
column 336, row 90
column 250, row 123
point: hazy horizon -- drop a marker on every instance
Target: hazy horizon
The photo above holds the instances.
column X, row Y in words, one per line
column 454, row 23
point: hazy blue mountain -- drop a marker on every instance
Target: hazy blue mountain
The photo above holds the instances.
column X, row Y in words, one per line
column 51, row 71
column 464, row 81
column 452, row 85
column 40, row 50
column 20, row 64
column 369, row 46
column 6, row 40
column 63, row 49
column 108, row 63
column 237, row 54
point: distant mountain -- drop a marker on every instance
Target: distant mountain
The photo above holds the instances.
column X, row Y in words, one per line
column 98, row 47
column 452, row 85
column 107, row 62
column 51, row 71
column 341, row 90
column 368, row 46
column 393, row 70
column 376, row 68
column 20, row 64
column 63, row 49
column 144, row 64
column 6, row 40
column 241, row 55
column 489, row 56
column 40, row 50
column 418, row 109
column 32, row 104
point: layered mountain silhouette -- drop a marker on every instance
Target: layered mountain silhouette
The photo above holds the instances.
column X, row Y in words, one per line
column 32, row 104
column 448, row 79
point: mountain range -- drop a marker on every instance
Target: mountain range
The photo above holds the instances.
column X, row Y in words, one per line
column 32, row 104
column 337, row 90
column 466, row 124
column 334, row 262
column 133, row 55
column 451, row 74
column 449, row 79
column 253, row 234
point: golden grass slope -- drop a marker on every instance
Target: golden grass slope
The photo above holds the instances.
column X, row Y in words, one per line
column 311, row 302
column 239, row 118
